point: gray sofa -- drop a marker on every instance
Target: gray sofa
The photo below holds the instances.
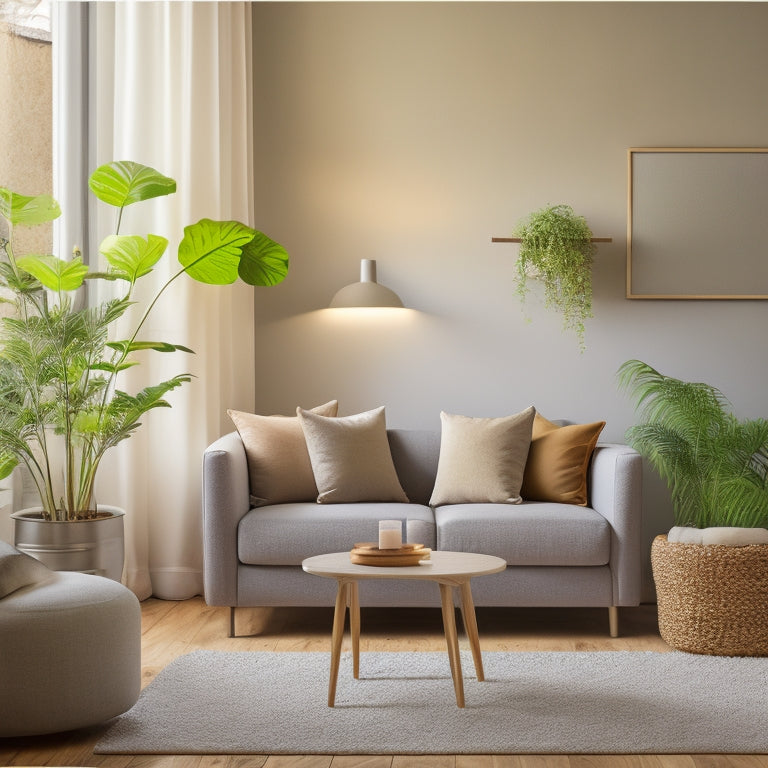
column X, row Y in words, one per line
column 557, row 554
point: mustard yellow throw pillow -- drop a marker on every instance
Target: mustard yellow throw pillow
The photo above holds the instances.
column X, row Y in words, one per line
column 558, row 461
column 481, row 459
column 279, row 469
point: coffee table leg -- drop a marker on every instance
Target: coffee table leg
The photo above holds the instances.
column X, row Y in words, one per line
column 452, row 640
column 470, row 625
column 354, row 626
column 339, row 615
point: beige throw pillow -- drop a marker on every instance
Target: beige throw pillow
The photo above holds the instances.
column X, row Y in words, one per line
column 482, row 460
column 278, row 463
column 351, row 458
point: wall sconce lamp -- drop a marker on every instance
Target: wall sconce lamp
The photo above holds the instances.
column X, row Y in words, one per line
column 366, row 293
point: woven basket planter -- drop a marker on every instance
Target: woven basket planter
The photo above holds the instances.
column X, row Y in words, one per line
column 712, row 599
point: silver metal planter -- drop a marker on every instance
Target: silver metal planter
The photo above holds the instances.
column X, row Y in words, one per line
column 89, row 546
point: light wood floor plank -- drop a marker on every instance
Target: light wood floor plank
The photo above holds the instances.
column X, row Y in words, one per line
column 512, row 761
column 246, row 761
column 540, row 761
column 475, row 761
column 730, row 761
column 108, row 761
column 298, row 761
column 424, row 761
column 362, row 761
column 668, row 761
column 151, row 761
column 661, row 761
column 605, row 761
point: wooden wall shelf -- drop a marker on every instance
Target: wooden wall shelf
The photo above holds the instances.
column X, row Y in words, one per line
column 517, row 240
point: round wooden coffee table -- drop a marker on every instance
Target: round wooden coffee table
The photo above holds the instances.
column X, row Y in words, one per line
column 448, row 569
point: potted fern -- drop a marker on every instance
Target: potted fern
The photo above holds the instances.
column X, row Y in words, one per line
column 556, row 249
column 61, row 361
column 711, row 570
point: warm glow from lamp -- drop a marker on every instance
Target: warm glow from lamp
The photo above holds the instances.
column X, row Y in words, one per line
column 366, row 293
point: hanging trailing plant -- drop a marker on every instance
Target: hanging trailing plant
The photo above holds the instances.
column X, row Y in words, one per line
column 556, row 249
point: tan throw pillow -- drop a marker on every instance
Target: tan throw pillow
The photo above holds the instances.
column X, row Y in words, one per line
column 278, row 462
column 351, row 458
column 482, row 460
column 558, row 461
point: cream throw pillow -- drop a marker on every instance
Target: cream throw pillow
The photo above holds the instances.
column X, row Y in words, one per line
column 278, row 463
column 482, row 460
column 351, row 458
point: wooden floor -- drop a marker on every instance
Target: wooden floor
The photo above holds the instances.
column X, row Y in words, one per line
column 170, row 629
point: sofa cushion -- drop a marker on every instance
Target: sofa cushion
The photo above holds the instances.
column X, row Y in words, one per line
column 415, row 454
column 558, row 460
column 482, row 459
column 285, row 534
column 531, row 533
column 350, row 457
column 278, row 463
column 17, row 570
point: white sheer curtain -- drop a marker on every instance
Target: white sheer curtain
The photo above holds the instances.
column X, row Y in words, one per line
column 170, row 87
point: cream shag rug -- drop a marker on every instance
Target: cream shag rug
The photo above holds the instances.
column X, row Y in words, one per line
column 600, row 702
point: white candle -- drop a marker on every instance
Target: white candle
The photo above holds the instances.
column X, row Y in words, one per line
column 390, row 534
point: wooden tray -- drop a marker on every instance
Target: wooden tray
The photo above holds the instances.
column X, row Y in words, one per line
column 368, row 553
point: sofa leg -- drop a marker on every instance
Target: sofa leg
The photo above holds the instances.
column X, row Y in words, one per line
column 613, row 620
column 232, row 621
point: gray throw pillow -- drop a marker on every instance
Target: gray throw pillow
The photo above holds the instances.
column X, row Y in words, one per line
column 18, row 570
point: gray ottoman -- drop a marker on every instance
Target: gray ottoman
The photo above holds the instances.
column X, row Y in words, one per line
column 70, row 647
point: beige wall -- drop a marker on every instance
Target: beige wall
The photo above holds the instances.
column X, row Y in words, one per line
column 411, row 133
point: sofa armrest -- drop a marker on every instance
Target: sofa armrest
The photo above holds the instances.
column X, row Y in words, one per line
column 615, row 485
column 226, row 498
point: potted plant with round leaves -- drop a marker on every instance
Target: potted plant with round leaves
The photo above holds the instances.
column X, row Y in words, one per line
column 60, row 363
column 556, row 249
column 711, row 570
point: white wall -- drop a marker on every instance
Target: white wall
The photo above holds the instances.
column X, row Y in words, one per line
column 411, row 133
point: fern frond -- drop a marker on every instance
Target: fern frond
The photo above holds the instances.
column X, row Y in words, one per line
column 715, row 465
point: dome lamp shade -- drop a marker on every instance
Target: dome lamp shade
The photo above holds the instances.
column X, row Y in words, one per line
column 366, row 293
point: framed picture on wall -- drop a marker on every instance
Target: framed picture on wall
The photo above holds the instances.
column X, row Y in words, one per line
column 697, row 223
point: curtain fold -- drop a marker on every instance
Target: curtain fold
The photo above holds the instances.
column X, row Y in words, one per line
column 170, row 87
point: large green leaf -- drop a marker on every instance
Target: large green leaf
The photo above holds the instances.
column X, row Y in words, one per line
column 54, row 273
column 123, row 182
column 264, row 262
column 211, row 250
column 136, row 346
column 124, row 411
column 8, row 463
column 112, row 367
column 132, row 256
column 22, row 209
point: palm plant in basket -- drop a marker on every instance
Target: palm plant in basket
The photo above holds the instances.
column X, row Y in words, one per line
column 60, row 361
column 711, row 598
column 715, row 464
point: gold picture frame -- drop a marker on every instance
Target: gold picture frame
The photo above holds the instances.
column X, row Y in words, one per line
column 697, row 223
